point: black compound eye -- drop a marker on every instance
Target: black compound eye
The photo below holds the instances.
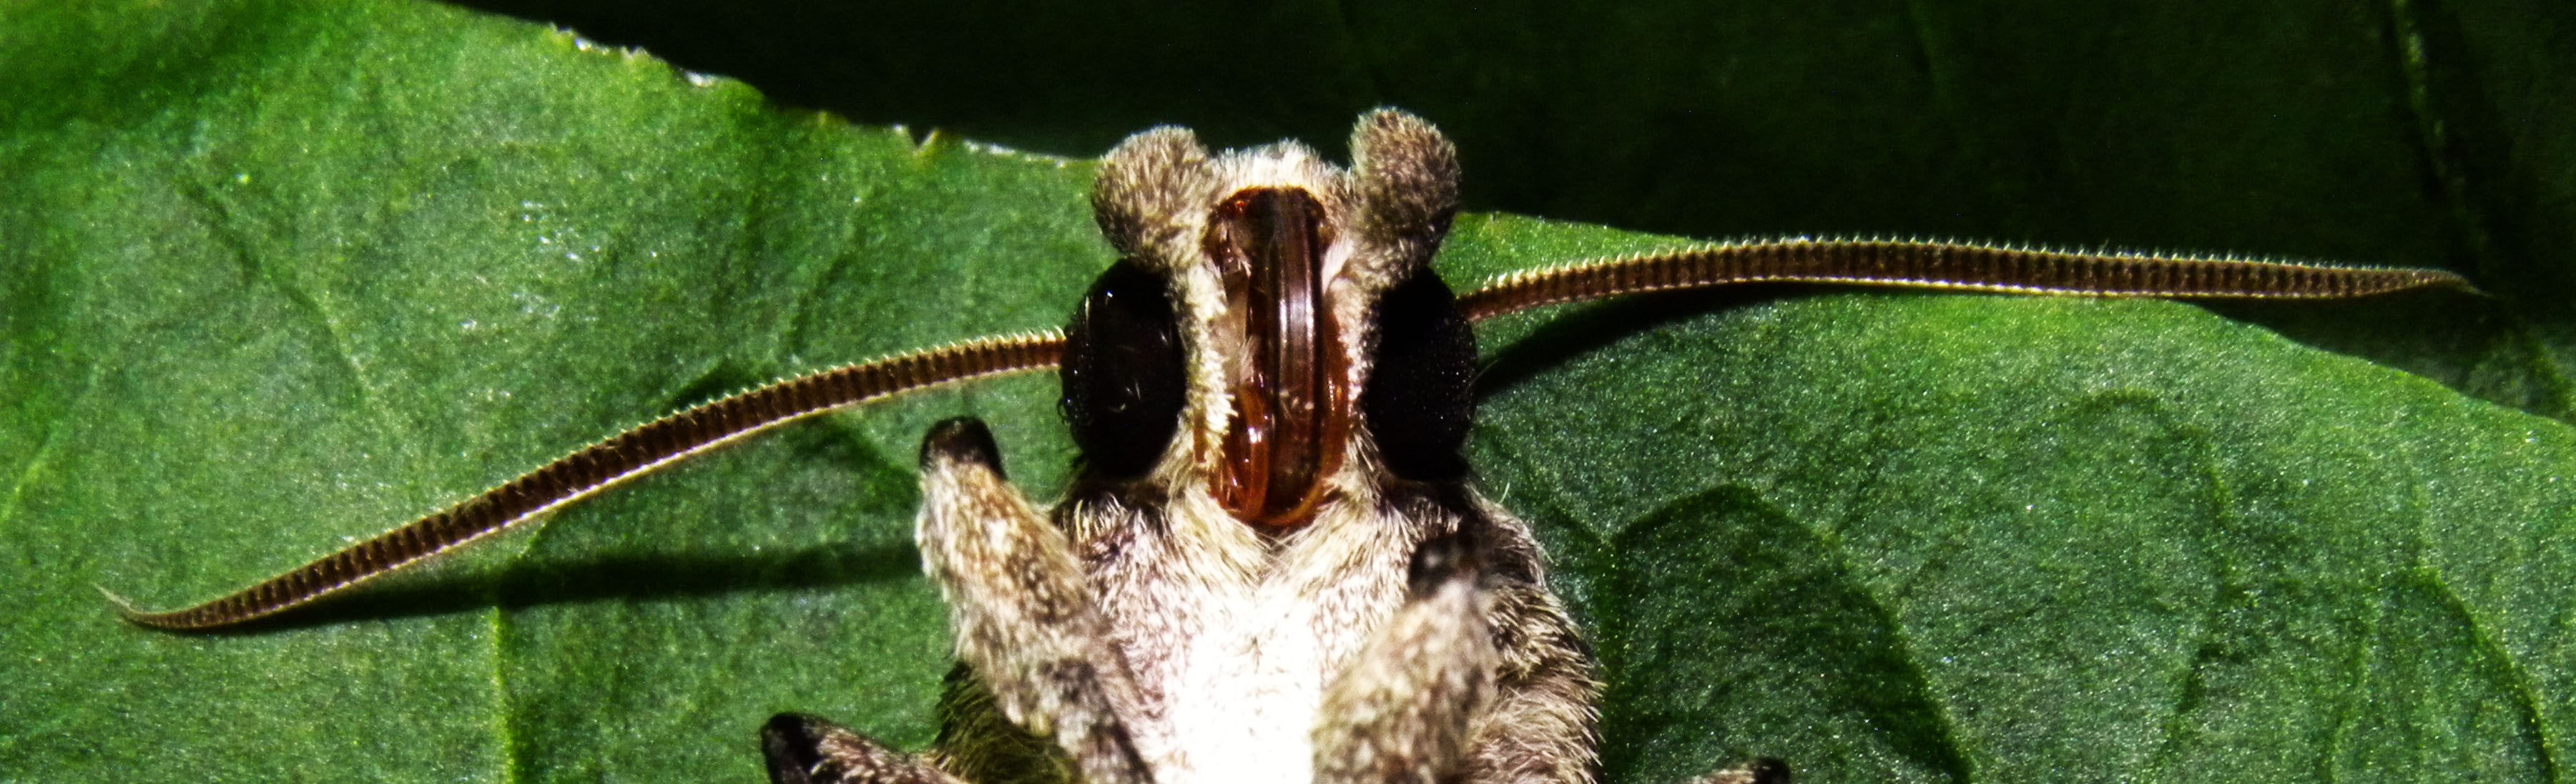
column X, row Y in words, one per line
column 1122, row 372
column 1421, row 391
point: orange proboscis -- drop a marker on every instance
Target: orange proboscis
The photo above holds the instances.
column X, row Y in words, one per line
column 1291, row 411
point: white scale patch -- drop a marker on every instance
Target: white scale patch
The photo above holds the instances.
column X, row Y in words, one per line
column 1243, row 691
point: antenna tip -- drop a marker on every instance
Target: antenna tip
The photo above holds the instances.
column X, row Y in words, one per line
column 124, row 606
column 136, row 615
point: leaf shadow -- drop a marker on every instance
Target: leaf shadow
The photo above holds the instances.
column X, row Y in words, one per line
column 1582, row 330
column 2438, row 334
column 2386, row 329
column 630, row 577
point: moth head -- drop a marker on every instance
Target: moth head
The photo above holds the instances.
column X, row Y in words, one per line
column 1272, row 334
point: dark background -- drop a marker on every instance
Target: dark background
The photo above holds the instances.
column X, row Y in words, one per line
column 2412, row 133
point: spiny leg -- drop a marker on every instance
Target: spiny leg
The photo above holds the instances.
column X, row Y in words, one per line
column 1763, row 771
column 1018, row 604
column 1542, row 725
column 803, row 749
column 976, row 744
column 1539, row 726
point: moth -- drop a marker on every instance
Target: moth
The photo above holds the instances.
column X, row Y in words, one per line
column 1273, row 563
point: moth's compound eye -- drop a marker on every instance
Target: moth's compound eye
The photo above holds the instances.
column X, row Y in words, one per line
column 1122, row 372
column 1421, row 391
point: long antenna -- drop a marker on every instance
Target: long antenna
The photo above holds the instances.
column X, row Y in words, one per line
column 1922, row 265
column 601, row 465
column 1941, row 265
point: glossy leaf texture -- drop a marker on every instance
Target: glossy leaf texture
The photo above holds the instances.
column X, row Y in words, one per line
column 283, row 275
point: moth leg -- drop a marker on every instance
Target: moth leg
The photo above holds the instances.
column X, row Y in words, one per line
column 1761, row 771
column 1403, row 709
column 1020, row 607
column 1542, row 725
column 802, row 749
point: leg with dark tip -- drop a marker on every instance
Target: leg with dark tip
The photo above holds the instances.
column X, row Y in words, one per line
column 1761, row 771
column 803, row 749
column 962, row 440
column 1403, row 710
column 1021, row 609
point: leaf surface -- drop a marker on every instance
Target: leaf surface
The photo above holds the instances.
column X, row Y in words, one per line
column 285, row 275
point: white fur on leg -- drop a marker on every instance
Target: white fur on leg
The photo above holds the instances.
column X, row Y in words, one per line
column 1023, row 618
column 1401, row 711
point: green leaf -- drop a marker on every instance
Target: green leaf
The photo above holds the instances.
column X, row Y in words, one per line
column 284, row 276
column 1967, row 538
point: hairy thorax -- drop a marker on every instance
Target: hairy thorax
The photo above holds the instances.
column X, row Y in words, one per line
column 1233, row 633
